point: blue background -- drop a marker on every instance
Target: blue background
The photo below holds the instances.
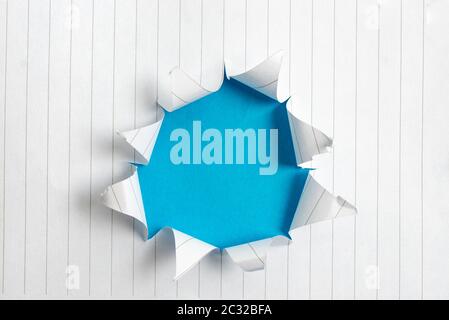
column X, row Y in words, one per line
column 224, row 205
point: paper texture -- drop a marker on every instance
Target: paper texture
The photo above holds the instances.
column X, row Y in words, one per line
column 307, row 140
column 189, row 251
column 316, row 203
column 143, row 139
column 184, row 90
column 250, row 256
column 125, row 197
column 263, row 77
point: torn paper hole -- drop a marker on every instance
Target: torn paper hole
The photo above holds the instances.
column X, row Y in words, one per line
column 189, row 205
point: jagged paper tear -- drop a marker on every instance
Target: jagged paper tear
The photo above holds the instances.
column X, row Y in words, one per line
column 316, row 203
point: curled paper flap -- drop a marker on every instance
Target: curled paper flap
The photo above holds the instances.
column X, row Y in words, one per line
column 308, row 141
column 125, row 197
column 189, row 251
column 184, row 90
column 143, row 139
column 264, row 77
column 317, row 204
column 250, row 256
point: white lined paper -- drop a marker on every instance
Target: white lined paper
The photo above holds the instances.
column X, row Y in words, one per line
column 411, row 241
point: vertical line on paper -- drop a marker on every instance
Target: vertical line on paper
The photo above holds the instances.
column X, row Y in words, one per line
column 223, row 33
column 400, row 146
column 135, row 125
column 246, row 49
column 48, row 147
column 70, row 137
column 333, row 151
column 268, row 28
column 377, row 146
column 201, row 46
column 4, row 149
column 91, row 142
column 246, row 32
column 113, row 144
column 221, row 273
column 355, row 141
column 26, row 149
column 179, row 36
column 422, row 143
column 311, row 122
column 265, row 284
column 290, row 48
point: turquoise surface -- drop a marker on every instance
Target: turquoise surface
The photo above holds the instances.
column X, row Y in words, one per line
column 227, row 204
